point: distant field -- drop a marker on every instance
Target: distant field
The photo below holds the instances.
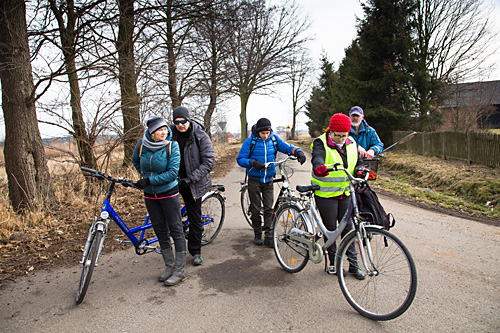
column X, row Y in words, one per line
column 496, row 130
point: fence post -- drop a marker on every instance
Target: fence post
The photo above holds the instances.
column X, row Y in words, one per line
column 444, row 153
column 468, row 148
column 423, row 143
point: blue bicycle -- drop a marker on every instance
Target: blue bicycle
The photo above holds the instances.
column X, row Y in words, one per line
column 212, row 215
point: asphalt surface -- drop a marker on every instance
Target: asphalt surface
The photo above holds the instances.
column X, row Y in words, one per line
column 242, row 288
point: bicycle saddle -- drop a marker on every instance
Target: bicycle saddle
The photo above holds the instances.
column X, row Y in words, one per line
column 307, row 188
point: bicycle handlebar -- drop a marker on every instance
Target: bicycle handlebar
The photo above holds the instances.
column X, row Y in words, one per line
column 337, row 167
column 289, row 157
column 102, row 176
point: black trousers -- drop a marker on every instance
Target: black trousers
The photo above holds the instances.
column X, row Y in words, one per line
column 261, row 194
column 165, row 216
column 193, row 208
column 332, row 210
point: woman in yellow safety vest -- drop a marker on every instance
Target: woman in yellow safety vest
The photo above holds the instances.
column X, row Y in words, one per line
column 332, row 199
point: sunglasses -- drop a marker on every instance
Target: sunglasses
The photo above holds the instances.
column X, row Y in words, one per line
column 183, row 121
column 340, row 136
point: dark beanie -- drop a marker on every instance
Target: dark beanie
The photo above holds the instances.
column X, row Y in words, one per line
column 154, row 123
column 181, row 112
column 340, row 123
column 263, row 124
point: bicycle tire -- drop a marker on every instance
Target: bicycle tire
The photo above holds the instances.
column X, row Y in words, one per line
column 213, row 212
column 389, row 292
column 88, row 266
column 245, row 205
column 291, row 255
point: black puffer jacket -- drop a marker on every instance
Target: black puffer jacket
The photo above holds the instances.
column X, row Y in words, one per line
column 199, row 158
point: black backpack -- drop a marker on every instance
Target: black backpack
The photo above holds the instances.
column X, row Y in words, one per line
column 371, row 209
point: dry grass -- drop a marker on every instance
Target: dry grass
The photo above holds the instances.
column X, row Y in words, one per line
column 70, row 188
column 450, row 184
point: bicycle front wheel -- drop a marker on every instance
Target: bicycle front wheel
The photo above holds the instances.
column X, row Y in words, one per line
column 390, row 282
column 291, row 254
column 88, row 266
column 213, row 212
column 245, row 205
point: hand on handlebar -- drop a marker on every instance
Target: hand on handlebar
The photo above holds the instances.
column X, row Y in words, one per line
column 362, row 172
column 301, row 157
column 143, row 183
column 320, row 171
column 258, row 165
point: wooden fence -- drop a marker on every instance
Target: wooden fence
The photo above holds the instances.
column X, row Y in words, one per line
column 473, row 147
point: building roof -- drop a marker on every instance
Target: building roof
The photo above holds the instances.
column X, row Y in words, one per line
column 472, row 93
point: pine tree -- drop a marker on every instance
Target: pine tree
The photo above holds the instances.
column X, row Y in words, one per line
column 321, row 105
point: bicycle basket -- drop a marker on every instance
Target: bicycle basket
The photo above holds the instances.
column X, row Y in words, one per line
column 373, row 165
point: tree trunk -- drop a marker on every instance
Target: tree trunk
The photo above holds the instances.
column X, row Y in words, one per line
column 84, row 143
column 243, row 116
column 25, row 163
column 132, row 129
column 171, row 61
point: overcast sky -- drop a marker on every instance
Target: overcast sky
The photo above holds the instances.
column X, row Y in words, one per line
column 334, row 27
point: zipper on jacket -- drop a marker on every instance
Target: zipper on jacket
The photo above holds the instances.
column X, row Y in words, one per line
column 151, row 170
column 265, row 160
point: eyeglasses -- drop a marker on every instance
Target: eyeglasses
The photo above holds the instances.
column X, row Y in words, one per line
column 183, row 121
column 340, row 136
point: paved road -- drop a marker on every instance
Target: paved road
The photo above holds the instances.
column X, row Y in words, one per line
column 241, row 287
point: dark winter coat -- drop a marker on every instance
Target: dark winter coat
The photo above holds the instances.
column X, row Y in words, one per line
column 199, row 158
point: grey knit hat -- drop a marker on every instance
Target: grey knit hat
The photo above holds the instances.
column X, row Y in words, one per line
column 154, row 123
column 181, row 112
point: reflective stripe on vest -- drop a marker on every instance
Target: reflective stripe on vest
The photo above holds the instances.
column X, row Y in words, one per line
column 335, row 183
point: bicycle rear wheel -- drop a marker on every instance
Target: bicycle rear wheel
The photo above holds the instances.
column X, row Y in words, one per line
column 245, row 205
column 389, row 288
column 292, row 255
column 213, row 212
column 88, row 266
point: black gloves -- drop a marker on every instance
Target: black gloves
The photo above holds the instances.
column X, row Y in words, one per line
column 301, row 157
column 142, row 183
column 184, row 181
column 258, row 165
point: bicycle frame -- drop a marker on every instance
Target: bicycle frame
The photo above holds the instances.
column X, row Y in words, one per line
column 310, row 238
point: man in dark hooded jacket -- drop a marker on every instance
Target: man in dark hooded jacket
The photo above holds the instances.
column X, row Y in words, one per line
column 197, row 161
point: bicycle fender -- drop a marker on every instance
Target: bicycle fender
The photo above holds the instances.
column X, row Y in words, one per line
column 353, row 231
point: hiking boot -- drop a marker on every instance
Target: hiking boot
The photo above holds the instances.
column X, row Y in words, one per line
column 358, row 273
column 258, row 239
column 197, row 260
column 268, row 241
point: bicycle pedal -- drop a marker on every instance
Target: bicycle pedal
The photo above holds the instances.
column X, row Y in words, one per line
column 122, row 242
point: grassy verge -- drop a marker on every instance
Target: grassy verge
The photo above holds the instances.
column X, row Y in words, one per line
column 452, row 185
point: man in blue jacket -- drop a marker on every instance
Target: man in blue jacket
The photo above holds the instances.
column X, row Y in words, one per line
column 261, row 147
column 367, row 139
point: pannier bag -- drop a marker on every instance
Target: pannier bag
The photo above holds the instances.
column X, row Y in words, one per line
column 371, row 209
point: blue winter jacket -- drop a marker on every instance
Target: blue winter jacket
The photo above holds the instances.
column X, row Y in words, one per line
column 263, row 152
column 162, row 171
column 367, row 138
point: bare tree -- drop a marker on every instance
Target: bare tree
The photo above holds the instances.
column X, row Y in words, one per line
column 299, row 76
column 25, row 163
column 260, row 49
column 132, row 128
column 453, row 42
column 210, row 37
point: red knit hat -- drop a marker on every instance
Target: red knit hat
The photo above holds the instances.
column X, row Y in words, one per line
column 340, row 123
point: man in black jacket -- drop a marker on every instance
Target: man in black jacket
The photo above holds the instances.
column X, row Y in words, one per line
column 197, row 161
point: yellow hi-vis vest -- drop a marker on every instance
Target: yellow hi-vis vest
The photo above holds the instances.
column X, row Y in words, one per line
column 336, row 183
